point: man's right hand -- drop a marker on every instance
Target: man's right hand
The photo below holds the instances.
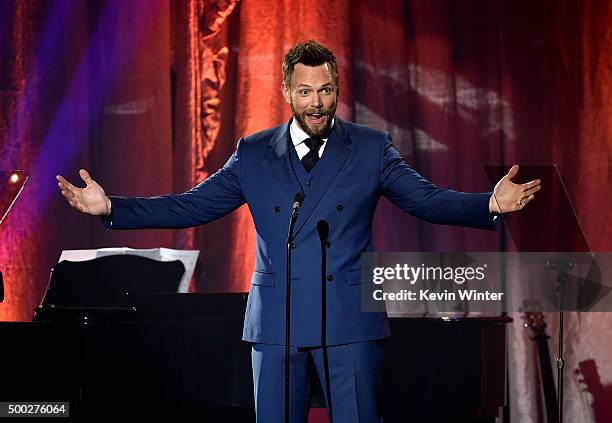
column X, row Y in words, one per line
column 90, row 200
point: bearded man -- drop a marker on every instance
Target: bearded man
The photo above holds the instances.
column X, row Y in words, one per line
column 341, row 169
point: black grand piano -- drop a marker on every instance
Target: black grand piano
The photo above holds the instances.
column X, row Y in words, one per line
column 114, row 343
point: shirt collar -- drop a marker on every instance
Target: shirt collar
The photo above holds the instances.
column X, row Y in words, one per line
column 298, row 135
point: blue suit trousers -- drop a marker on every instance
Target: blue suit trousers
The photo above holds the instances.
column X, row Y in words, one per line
column 355, row 381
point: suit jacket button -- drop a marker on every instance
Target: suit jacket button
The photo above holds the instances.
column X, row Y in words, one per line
column 339, row 207
column 330, row 277
column 277, row 209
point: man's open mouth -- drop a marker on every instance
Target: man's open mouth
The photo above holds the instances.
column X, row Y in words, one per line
column 315, row 118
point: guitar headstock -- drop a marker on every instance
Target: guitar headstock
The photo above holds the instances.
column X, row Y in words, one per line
column 533, row 319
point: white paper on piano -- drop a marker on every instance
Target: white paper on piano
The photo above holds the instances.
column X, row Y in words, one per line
column 187, row 257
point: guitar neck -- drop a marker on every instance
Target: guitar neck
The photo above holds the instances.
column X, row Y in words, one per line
column 548, row 383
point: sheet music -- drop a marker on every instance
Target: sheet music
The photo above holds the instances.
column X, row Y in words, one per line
column 187, row 257
column 150, row 253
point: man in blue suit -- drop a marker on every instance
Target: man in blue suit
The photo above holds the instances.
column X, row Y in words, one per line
column 342, row 169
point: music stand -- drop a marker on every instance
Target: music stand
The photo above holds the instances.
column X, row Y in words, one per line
column 11, row 185
column 114, row 284
column 561, row 238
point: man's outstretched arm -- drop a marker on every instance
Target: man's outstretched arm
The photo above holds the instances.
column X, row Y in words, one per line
column 217, row 196
column 414, row 194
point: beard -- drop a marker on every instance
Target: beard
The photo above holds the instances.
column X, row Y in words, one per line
column 315, row 130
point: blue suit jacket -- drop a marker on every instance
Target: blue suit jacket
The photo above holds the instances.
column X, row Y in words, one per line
column 359, row 164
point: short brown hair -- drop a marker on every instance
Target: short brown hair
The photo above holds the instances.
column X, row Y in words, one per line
column 309, row 53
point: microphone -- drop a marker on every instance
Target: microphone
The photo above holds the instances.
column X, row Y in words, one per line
column 298, row 198
column 323, row 230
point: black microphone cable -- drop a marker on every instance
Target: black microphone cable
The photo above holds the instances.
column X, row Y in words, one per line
column 323, row 230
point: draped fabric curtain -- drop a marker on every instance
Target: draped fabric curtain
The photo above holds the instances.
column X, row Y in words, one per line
column 151, row 97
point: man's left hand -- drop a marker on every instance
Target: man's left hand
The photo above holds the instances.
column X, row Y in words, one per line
column 508, row 196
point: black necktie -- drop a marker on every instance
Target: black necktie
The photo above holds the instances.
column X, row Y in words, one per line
column 312, row 157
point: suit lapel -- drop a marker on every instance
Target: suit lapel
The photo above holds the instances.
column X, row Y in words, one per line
column 336, row 152
column 278, row 162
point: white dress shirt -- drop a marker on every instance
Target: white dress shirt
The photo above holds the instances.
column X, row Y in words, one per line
column 298, row 136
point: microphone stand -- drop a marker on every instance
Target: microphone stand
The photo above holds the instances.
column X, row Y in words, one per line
column 562, row 266
column 323, row 230
column 297, row 201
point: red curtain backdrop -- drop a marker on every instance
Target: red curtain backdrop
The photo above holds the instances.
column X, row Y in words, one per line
column 151, row 97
